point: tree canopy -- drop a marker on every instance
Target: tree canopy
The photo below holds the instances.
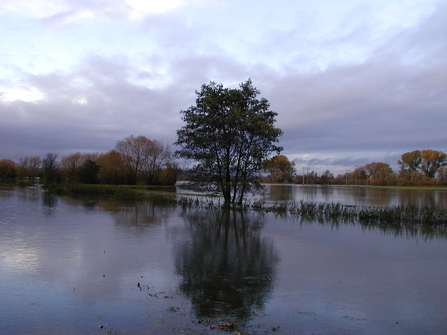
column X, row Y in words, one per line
column 228, row 135
column 281, row 169
column 144, row 158
column 432, row 160
column 8, row 169
column 427, row 161
column 50, row 167
column 378, row 170
column 410, row 160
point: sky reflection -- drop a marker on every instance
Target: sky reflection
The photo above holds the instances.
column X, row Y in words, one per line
column 137, row 268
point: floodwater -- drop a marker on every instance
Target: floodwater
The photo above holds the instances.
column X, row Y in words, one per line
column 356, row 195
column 88, row 267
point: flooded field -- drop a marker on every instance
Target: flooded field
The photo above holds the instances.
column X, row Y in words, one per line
column 89, row 267
column 356, row 195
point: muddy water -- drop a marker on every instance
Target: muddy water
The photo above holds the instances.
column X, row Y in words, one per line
column 88, row 267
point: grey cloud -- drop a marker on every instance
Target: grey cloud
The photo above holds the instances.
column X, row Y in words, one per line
column 391, row 100
column 381, row 103
column 116, row 108
column 117, row 105
column 342, row 163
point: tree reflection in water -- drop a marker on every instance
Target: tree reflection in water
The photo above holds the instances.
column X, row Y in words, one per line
column 228, row 267
column 140, row 215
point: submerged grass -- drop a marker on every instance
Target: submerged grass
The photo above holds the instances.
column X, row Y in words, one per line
column 403, row 214
column 97, row 191
column 393, row 215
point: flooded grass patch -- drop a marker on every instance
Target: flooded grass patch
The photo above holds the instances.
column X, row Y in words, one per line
column 98, row 191
column 402, row 214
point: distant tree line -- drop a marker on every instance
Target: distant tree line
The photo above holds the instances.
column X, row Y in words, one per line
column 139, row 160
column 228, row 138
column 134, row 160
column 417, row 168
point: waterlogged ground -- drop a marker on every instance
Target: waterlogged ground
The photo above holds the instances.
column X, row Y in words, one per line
column 87, row 267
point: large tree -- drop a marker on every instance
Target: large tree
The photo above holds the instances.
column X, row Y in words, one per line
column 70, row 166
column 144, row 158
column 8, row 169
column 426, row 161
column 378, row 170
column 280, row 168
column 432, row 160
column 50, row 169
column 410, row 161
column 29, row 166
column 113, row 170
column 442, row 173
column 228, row 135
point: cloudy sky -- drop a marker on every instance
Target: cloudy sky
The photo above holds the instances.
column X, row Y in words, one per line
column 352, row 81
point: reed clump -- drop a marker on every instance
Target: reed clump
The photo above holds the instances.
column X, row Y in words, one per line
column 161, row 200
column 402, row 214
column 202, row 203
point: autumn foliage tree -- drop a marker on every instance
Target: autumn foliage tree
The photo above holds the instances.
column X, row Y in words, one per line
column 378, row 170
column 280, row 168
column 112, row 168
column 144, row 159
column 410, row 161
column 50, row 169
column 442, row 173
column 422, row 161
column 327, row 177
column 169, row 175
column 432, row 160
column 140, row 160
column 358, row 175
column 8, row 169
column 29, row 167
column 72, row 166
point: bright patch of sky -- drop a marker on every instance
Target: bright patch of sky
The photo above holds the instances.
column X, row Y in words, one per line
column 51, row 35
column 280, row 33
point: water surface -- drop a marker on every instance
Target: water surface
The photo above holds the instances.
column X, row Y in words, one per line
column 355, row 195
column 87, row 267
